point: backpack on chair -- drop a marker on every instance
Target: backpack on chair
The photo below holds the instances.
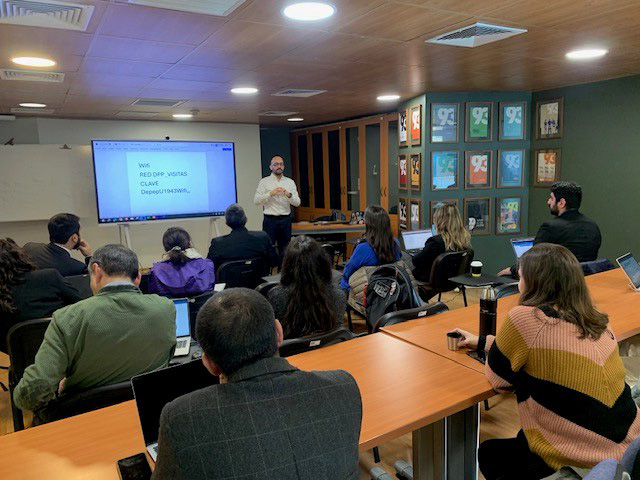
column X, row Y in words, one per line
column 389, row 289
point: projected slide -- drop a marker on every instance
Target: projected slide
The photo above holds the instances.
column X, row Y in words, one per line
column 140, row 181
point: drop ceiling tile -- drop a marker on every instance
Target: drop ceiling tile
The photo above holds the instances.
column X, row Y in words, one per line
column 18, row 40
column 188, row 85
column 103, row 90
column 215, row 57
column 108, row 80
column 202, row 74
column 123, row 67
column 137, row 50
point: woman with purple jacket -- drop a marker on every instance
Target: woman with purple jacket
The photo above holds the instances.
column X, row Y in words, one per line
column 185, row 272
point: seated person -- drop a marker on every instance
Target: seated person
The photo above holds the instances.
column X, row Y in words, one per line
column 266, row 419
column 307, row 301
column 451, row 236
column 569, row 227
column 64, row 236
column 378, row 248
column 27, row 293
column 241, row 243
column 104, row 339
column 185, row 272
column 560, row 357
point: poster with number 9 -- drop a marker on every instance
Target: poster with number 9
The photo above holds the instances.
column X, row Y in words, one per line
column 415, row 117
column 547, row 167
column 402, row 129
column 509, row 214
column 444, row 122
column 403, row 172
column 510, row 168
column 549, row 122
column 402, row 213
column 444, row 171
column 513, row 121
column 415, row 214
column 415, row 164
column 478, row 122
column 477, row 167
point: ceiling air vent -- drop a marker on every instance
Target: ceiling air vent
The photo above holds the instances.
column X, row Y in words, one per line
column 46, row 13
column 33, row 111
column 221, row 8
column 136, row 114
column 31, row 76
column 476, row 35
column 276, row 113
column 157, row 102
column 297, row 92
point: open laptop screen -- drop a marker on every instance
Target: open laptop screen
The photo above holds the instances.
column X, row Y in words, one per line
column 631, row 268
column 182, row 317
column 521, row 245
column 415, row 240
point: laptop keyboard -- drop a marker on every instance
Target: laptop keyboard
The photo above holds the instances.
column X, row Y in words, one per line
column 182, row 343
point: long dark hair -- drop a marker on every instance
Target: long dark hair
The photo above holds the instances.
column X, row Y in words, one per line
column 306, row 271
column 553, row 278
column 175, row 241
column 378, row 234
column 14, row 263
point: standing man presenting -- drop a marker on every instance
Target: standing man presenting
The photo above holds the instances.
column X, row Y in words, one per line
column 276, row 193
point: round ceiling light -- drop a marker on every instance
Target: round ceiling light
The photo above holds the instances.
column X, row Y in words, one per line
column 295, row 119
column 33, row 105
column 388, row 98
column 33, row 61
column 182, row 115
column 586, row 54
column 309, row 11
column 244, row 90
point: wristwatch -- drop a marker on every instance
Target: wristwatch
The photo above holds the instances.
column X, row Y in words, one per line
column 290, row 195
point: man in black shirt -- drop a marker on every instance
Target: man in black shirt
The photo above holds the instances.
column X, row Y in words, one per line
column 569, row 227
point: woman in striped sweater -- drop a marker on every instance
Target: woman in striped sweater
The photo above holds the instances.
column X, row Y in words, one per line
column 556, row 352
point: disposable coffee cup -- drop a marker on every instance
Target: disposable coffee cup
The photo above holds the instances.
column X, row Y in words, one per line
column 476, row 268
column 452, row 340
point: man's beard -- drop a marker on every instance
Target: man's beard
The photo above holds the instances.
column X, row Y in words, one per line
column 554, row 211
column 75, row 247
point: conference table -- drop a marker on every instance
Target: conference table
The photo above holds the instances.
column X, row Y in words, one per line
column 325, row 228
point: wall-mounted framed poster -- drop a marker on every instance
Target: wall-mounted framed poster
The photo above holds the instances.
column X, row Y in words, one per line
column 547, row 167
column 444, row 171
column 549, row 121
column 416, row 125
column 477, row 215
column 402, row 129
column 508, row 215
column 478, row 122
column 478, row 169
column 444, row 122
column 512, row 121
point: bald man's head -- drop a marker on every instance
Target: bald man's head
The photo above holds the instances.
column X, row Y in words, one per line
column 277, row 165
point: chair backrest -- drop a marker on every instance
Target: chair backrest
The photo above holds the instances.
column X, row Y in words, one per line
column 410, row 314
column 294, row 346
column 195, row 304
column 447, row 265
column 506, row 290
column 596, row 266
column 331, row 251
column 81, row 283
column 68, row 405
column 144, row 283
column 246, row 273
column 265, row 287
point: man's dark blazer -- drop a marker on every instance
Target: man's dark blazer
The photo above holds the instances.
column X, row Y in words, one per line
column 241, row 244
column 575, row 231
column 271, row 421
column 50, row 255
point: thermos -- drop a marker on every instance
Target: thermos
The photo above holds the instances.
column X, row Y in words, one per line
column 488, row 311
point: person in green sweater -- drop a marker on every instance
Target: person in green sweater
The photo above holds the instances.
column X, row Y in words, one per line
column 105, row 339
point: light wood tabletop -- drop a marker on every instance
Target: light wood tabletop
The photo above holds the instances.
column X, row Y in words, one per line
column 609, row 291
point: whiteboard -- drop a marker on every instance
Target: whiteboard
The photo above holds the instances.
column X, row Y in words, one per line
column 38, row 181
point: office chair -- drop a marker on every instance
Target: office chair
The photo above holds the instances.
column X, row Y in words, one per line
column 293, row 346
column 246, row 273
column 265, row 287
column 330, row 250
column 506, row 289
column 445, row 266
column 596, row 266
column 144, row 283
column 195, row 304
column 401, row 316
column 81, row 283
column 23, row 341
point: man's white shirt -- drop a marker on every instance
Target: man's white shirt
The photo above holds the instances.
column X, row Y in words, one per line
column 277, row 204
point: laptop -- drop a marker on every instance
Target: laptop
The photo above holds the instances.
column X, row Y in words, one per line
column 153, row 390
column 521, row 245
column 183, row 332
column 414, row 240
column 631, row 269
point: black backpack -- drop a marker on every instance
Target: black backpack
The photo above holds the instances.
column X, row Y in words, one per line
column 389, row 289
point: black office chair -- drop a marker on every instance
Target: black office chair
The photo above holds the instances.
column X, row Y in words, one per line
column 81, row 283
column 144, row 283
column 23, row 341
column 294, row 346
column 596, row 266
column 445, row 266
column 265, row 287
column 76, row 403
column 401, row 316
column 506, row 289
column 195, row 304
column 330, row 250
column 246, row 273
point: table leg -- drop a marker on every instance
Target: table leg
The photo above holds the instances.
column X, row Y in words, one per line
column 447, row 449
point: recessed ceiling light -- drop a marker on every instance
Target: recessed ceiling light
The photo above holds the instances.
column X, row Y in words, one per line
column 388, row 98
column 586, row 54
column 33, row 105
column 182, row 115
column 309, row 11
column 244, row 90
column 33, row 61
column 295, row 119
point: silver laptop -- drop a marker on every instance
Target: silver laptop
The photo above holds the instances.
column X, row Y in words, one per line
column 183, row 332
column 414, row 240
column 521, row 245
column 631, row 269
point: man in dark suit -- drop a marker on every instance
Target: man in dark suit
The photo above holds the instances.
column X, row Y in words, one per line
column 568, row 227
column 241, row 243
column 266, row 419
column 64, row 234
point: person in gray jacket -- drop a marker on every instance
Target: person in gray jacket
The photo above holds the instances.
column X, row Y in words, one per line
column 266, row 418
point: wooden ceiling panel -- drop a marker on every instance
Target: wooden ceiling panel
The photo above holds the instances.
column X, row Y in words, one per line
column 469, row 7
column 65, row 63
column 17, row 40
column 160, row 25
column 202, row 74
column 137, row 50
column 215, row 57
column 123, row 67
column 338, row 47
column 415, row 22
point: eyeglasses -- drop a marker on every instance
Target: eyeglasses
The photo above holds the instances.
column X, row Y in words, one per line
column 279, row 164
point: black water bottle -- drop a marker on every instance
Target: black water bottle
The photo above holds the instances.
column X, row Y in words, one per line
column 488, row 311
